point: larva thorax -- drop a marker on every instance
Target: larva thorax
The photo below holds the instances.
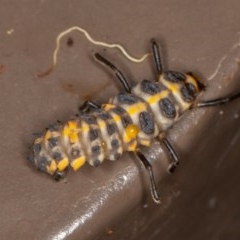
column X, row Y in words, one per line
column 126, row 122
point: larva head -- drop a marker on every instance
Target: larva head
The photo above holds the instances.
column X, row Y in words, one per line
column 184, row 87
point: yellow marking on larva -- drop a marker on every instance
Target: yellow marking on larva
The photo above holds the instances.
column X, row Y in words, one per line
column 155, row 98
column 38, row 140
column 85, row 128
column 90, row 39
column 192, row 80
column 132, row 131
column 73, row 137
column 63, row 164
column 70, row 130
column 52, row 167
column 116, row 118
column 66, row 131
column 136, row 108
column 132, row 146
column 77, row 163
column 48, row 135
column 126, row 138
column 130, row 134
column 145, row 142
column 108, row 106
column 72, row 125
column 101, row 124
column 173, row 88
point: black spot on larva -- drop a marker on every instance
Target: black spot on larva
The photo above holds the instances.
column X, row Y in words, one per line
column 42, row 163
column 53, row 142
column 191, row 88
column 75, row 152
column 149, row 87
column 167, row 108
column 96, row 149
column 188, row 92
column 174, row 76
column 115, row 143
column 126, row 98
column 57, row 156
column 93, row 134
column 96, row 162
column 118, row 110
column 30, row 157
column 104, row 115
column 37, row 148
column 53, row 128
column 117, row 156
column 88, row 118
column 126, row 120
column 111, row 129
column 146, row 122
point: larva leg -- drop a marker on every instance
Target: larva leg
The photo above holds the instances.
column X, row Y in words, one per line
column 219, row 101
column 88, row 105
column 148, row 166
column 173, row 155
column 157, row 57
column 58, row 175
column 117, row 72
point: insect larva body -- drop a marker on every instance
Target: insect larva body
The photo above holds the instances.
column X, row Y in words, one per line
column 129, row 120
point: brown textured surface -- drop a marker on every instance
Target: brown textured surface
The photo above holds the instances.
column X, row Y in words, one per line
column 201, row 200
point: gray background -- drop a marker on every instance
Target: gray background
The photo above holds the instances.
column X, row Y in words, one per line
column 200, row 200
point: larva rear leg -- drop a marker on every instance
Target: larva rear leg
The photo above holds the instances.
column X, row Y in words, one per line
column 148, row 166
